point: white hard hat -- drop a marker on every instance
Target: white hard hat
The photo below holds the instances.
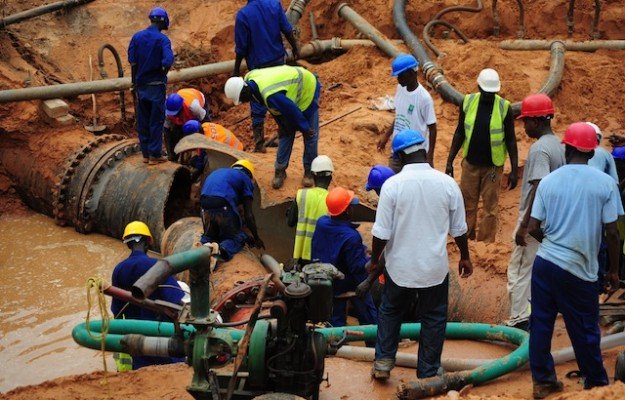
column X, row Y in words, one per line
column 597, row 131
column 233, row 88
column 488, row 79
column 321, row 163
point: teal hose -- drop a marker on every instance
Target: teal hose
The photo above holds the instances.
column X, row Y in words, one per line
column 455, row 330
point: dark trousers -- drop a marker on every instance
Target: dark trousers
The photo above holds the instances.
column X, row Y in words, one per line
column 222, row 225
column 432, row 310
column 150, row 119
column 556, row 290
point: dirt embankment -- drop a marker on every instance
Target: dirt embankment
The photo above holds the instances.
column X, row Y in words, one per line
column 55, row 48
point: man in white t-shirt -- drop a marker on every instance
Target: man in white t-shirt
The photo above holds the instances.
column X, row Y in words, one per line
column 418, row 208
column 414, row 108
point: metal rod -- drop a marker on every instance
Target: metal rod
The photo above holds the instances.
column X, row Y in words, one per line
column 35, row 12
column 595, row 21
column 336, row 118
column 187, row 74
column 367, row 29
column 568, row 45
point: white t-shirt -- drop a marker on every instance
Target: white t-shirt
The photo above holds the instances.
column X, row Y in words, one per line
column 417, row 209
column 414, row 110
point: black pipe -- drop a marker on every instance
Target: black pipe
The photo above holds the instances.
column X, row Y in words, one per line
column 120, row 73
column 35, row 12
column 521, row 31
column 433, row 73
column 595, row 21
column 430, row 25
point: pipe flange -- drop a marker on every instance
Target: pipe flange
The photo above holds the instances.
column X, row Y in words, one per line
column 59, row 194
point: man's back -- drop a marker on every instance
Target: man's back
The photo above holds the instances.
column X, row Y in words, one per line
column 230, row 184
column 150, row 50
column 418, row 208
column 258, row 29
column 574, row 202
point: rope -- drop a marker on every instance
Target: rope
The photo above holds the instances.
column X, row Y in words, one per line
column 98, row 284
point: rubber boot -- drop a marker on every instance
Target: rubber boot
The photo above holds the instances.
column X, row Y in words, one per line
column 278, row 178
column 259, row 138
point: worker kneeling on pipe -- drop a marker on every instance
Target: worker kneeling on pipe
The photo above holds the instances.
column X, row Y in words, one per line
column 336, row 241
column 183, row 106
column 224, row 190
column 137, row 237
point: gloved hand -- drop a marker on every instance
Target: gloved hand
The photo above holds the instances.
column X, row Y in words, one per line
column 449, row 169
column 363, row 288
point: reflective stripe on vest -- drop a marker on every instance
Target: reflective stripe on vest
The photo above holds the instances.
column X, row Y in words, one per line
column 311, row 204
column 220, row 134
column 501, row 106
column 298, row 84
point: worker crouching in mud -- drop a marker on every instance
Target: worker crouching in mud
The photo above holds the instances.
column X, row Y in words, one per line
column 224, row 190
column 137, row 237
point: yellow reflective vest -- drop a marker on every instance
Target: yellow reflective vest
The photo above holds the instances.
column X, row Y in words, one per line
column 311, row 204
column 501, row 106
column 298, row 83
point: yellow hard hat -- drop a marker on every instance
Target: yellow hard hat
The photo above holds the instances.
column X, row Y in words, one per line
column 247, row 164
column 134, row 229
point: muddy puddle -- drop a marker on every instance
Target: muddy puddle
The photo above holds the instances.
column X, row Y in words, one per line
column 43, row 272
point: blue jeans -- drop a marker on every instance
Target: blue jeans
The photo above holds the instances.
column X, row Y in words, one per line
column 366, row 312
column 556, row 290
column 432, row 310
column 150, row 119
column 223, row 225
column 258, row 112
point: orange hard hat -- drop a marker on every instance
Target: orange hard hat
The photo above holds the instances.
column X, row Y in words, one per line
column 536, row 105
column 581, row 136
column 339, row 199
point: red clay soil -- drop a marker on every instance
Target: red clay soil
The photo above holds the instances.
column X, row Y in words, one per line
column 55, row 48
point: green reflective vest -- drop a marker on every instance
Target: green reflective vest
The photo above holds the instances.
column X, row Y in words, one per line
column 298, row 83
column 311, row 204
column 501, row 106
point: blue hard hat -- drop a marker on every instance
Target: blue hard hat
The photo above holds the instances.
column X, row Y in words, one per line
column 173, row 105
column 377, row 176
column 619, row 153
column 159, row 14
column 403, row 62
column 191, row 126
column 405, row 139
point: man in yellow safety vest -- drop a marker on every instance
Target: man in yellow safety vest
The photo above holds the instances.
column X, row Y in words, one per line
column 310, row 204
column 291, row 95
column 485, row 132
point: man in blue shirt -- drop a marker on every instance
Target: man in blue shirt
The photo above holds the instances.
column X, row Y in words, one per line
column 292, row 96
column 257, row 38
column 224, row 190
column 574, row 202
column 137, row 237
column 150, row 56
column 336, row 241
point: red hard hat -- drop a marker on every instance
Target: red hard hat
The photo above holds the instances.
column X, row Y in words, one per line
column 581, row 136
column 536, row 105
column 338, row 200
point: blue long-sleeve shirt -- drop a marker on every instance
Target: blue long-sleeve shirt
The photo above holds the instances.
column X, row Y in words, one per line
column 299, row 119
column 338, row 242
column 257, row 30
column 151, row 51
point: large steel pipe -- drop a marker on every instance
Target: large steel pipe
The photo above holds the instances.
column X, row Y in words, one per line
column 35, row 12
column 593, row 45
column 367, row 29
column 186, row 74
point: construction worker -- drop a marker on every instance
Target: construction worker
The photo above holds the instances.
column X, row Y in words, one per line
column 291, row 95
column 544, row 156
column 183, row 106
column 336, row 241
column 310, row 204
column 214, row 132
column 137, row 237
column 377, row 176
column 574, row 203
column 224, row 190
column 418, row 208
column 257, row 38
column 150, row 56
column 485, row 132
column 414, row 107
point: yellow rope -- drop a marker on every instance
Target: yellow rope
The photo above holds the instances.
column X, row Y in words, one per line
column 99, row 284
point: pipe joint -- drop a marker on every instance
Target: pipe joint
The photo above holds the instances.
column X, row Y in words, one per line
column 140, row 345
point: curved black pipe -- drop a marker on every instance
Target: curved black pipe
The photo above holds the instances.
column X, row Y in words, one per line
column 432, row 72
column 428, row 41
column 120, row 73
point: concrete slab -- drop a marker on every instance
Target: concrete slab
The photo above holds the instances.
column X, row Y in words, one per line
column 55, row 108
